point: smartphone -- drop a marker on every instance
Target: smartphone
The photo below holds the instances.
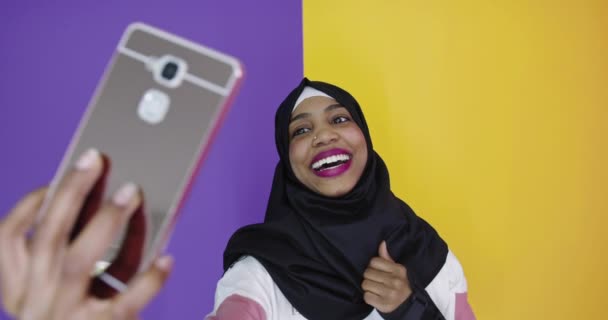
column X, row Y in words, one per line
column 153, row 117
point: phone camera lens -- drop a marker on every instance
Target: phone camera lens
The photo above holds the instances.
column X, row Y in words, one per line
column 169, row 70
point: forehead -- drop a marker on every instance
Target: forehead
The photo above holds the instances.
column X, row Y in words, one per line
column 314, row 105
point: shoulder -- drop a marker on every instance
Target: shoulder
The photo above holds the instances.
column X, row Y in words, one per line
column 247, row 283
column 451, row 276
column 246, row 277
column 247, row 264
column 242, row 293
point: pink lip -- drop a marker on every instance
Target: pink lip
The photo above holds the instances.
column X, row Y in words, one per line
column 335, row 171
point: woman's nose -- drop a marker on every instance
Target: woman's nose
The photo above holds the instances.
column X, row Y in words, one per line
column 324, row 136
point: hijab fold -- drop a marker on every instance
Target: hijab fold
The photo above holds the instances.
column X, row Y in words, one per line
column 316, row 248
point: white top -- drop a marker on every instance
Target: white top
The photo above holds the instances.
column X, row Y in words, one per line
column 247, row 292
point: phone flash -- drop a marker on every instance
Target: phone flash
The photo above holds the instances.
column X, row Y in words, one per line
column 153, row 106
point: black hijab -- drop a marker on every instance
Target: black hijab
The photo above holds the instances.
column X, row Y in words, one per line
column 316, row 248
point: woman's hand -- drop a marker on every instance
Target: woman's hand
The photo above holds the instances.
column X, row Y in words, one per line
column 45, row 276
column 385, row 282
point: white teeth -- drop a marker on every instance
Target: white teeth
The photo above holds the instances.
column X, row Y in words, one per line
column 330, row 159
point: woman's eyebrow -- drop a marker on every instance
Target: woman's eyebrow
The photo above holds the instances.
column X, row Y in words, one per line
column 299, row 116
column 306, row 114
column 334, row 107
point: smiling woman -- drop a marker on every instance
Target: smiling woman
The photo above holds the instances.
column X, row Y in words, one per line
column 336, row 243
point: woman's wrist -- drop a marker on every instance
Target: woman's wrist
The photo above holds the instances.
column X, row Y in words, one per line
column 404, row 310
column 418, row 306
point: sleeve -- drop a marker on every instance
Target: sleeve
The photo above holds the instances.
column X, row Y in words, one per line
column 444, row 298
column 448, row 291
column 243, row 293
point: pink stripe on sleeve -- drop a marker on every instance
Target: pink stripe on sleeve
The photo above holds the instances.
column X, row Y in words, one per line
column 463, row 308
column 237, row 307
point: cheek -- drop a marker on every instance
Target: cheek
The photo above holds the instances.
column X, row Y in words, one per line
column 297, row 155
column 357, row 141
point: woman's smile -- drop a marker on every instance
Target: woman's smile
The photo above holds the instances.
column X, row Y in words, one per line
column 331, row 163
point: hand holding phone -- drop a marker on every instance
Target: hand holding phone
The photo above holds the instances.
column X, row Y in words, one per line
column 153, row 117
column 46, row 274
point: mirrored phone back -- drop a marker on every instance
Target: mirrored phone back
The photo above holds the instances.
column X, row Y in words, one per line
column 153, row 115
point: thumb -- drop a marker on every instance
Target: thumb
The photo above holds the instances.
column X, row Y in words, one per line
column 383, row 252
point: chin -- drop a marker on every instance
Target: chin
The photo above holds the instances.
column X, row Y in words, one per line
column 335, row 192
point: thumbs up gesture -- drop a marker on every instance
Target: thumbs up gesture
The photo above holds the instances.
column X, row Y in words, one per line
column 385, row 282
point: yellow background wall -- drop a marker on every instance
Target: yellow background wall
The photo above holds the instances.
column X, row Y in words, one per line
column 493, row 119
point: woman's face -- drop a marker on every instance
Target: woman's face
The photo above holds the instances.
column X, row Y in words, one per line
column 327, row 150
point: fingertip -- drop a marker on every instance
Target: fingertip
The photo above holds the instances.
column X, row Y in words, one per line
column 383, row 252
column 33, row 200
column 88, row 160
column 164, row 263
column 24, row 213
column 127, row 195
column 382, row 249
column 40, row 192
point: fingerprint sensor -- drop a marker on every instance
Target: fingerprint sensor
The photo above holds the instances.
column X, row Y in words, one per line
column 153, row 106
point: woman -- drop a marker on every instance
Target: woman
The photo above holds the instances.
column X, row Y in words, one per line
column 335, row 243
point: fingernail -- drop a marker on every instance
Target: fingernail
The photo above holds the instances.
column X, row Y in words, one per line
column 124, row 194
column 87, row 159
column 164, row 263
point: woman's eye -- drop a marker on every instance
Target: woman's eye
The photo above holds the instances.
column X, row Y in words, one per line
column 300, row 131
column 340, row 119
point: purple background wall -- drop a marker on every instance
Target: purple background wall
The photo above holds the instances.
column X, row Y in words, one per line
column 53, row 53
